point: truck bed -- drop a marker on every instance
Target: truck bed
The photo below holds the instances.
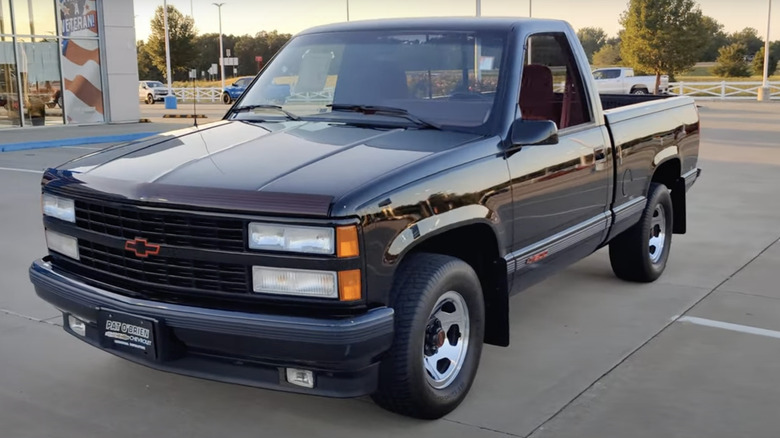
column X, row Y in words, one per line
column 611, row 101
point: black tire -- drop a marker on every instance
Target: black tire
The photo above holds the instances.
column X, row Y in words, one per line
column 631, row 254
column 640, row 91
column 226, row 99
column 149, row 99
column 405, row 387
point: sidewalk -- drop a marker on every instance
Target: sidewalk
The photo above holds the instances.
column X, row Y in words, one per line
column 57, row 136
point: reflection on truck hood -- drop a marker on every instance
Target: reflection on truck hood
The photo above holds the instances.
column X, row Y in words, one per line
column 314, row 158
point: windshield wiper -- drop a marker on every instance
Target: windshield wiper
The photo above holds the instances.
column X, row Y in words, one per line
column 289, row 115
column 384, row 111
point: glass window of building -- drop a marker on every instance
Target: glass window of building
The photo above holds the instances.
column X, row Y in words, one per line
column 34, row 17
column 5, row 17
column 41, row 80
column 9, row 102
column 50, row 66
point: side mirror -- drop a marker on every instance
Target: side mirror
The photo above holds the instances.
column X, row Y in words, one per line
column 534, row 132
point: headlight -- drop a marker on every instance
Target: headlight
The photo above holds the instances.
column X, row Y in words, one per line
column 60, row 208
column 310, row 240
column 318, row 284
column 65, row 245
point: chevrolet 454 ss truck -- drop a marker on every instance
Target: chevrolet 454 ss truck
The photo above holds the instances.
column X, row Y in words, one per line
column 358, row 220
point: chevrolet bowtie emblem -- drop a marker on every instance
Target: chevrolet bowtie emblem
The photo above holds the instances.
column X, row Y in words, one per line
column 142, row 248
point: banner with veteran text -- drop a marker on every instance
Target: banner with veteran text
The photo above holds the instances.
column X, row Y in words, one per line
column 83, row 95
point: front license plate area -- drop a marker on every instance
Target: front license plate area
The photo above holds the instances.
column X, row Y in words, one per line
column 128, row 333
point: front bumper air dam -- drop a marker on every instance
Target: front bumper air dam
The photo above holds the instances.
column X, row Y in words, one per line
column 243, row 348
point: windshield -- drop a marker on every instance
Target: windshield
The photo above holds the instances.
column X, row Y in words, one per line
column 155, row 84
column 430, row 75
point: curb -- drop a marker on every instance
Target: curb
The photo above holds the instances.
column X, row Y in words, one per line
column 184, row 116
column 74, row 141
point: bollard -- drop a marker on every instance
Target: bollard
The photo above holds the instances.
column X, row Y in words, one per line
column 170, row 102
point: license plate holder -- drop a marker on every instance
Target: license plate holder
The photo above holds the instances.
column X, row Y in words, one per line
column 128, row 333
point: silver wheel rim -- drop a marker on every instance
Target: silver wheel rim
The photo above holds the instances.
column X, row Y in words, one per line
column 657, row 238
column 446, row 340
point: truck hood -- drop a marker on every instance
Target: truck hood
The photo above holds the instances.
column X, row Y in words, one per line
column 234, row 159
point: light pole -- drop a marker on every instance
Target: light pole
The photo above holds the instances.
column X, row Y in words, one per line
column 530, row 8
column 479, row 8
column 347, row 10
column 765, row 93
column 170, row 100
column 221, row 51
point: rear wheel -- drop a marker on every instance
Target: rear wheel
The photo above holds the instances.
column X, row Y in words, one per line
column 639, row 91
column 439, row 326
column 226, row 99
column 640, row 253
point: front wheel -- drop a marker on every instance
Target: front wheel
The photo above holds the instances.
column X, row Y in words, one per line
column 226, row 99
column 640, row 253
column 150, row 99
column 439, row 327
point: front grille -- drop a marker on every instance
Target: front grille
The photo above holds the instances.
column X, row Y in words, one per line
column 162, row 274
column 162, row 227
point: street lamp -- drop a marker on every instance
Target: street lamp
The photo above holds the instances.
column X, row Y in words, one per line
column 170, row 100
column 765, row 93
column 221, row 51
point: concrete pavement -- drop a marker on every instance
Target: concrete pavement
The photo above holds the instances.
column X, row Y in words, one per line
column 590, row 355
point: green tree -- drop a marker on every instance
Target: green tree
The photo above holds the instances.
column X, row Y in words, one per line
column 749, row 38
column 717, row 39
column 731, row 62
column 181, row 32
column 146, row 68
column 207, row 47
column 662, row 36
column 774, row 49
column 609, row 55
column 758, row 63
column 592, row 40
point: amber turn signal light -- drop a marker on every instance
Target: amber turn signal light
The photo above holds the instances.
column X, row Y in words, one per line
column 347, row 241
column 349, row 285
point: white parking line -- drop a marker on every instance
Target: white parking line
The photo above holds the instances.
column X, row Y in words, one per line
column 730, row 326
column 21, row 170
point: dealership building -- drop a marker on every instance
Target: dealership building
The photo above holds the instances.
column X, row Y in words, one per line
column 67, row 62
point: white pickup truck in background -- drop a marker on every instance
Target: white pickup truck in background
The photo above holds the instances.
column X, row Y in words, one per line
column 621, row 80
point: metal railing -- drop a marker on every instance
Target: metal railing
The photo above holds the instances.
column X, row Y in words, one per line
column 723, row 90
column 211, row 94
column 701, row 90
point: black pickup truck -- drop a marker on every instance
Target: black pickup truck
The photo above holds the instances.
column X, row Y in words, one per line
column 357, row 222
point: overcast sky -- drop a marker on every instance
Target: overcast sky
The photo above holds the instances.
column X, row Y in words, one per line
column 291, row 16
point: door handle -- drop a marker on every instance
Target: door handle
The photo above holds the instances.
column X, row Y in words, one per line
column 600, row 154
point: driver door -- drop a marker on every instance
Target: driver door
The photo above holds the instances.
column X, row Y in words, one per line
column 560, row 192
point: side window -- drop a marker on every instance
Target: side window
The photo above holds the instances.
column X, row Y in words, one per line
column 611, row 74
column 551, row 86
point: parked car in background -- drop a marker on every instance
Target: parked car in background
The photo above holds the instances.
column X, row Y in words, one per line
column 621, row 80
column 234, row 90
column 152, row 91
